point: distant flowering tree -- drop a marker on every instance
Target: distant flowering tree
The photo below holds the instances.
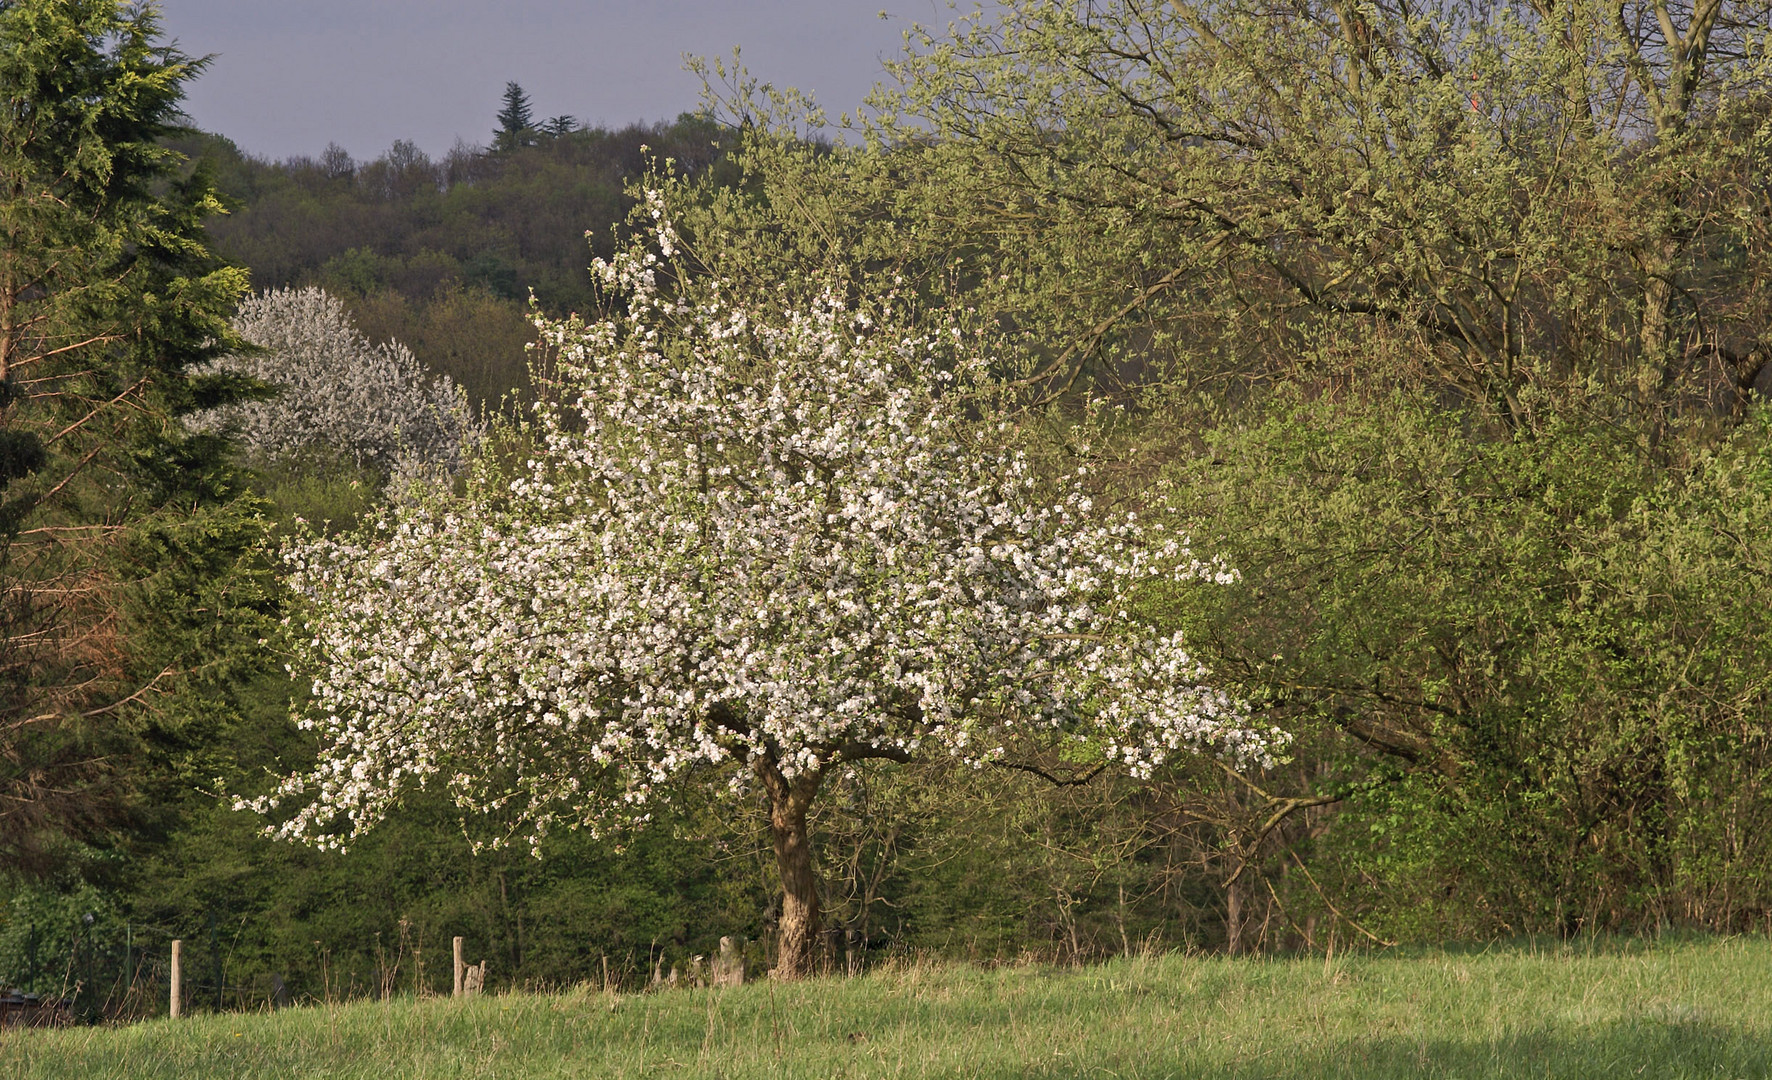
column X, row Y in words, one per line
column 338, row 393
column 746, row 549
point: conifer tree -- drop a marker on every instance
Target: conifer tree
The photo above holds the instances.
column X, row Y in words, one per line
column 516, row 124
column 119, row 528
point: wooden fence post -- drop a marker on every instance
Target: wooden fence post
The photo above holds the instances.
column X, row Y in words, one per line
column 729, row 965
column 458, row 967
column 178, row 959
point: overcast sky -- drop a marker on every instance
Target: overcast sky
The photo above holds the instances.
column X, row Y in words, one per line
column 290, row 76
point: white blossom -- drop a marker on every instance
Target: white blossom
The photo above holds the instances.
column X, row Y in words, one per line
column 740, row 534
column 376, row 404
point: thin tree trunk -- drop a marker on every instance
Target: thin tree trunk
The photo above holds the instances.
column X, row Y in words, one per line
column 797, row 951
column 1233, row 918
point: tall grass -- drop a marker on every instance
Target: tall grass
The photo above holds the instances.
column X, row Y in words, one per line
column 1667, row 1011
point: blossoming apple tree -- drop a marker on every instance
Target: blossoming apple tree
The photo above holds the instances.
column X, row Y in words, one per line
column 746, row 548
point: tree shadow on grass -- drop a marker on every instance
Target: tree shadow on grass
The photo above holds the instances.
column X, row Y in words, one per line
column 1659, row 1047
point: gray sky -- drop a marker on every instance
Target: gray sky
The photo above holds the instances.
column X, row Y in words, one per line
column 291, row 76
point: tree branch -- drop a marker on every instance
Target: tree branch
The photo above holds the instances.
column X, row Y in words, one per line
column 1035, row 770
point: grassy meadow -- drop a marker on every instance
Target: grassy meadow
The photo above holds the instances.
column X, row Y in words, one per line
column 1690, row 1009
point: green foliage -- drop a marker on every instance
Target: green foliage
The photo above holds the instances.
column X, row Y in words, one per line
column 998, row 865
column 475, row 336
column 1234, row 194
column 443, row 255
column 55, row 940
column 128, row 544
column 346, row 924
column 1542, row 658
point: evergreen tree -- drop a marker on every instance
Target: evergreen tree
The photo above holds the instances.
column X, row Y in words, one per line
column 516, row 126
column 120, row 530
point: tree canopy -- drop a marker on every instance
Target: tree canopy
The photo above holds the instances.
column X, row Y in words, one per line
column 1507, row 200
column 749, row 548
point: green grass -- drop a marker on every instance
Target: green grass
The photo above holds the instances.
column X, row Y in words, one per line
column 1693, row 1009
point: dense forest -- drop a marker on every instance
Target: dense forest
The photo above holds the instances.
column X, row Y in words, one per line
column 1440, row 341
column 444, row 255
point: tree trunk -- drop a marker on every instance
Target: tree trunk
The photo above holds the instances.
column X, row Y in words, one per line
column 1233, row 918
column 797, row 948
column 1657, row 361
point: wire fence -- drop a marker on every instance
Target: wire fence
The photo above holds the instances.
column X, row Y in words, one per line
column 60, row 967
